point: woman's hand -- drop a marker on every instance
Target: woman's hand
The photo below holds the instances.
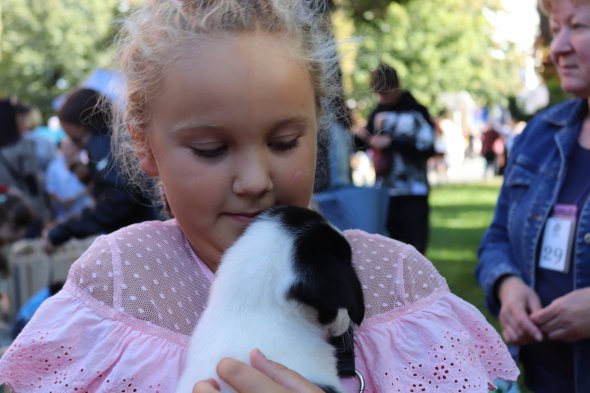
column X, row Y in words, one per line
column 518, row 301
column 264, row 376
column 567, row 318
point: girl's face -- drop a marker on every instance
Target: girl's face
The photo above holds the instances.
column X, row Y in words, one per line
column 233, row 132
column 570, row 47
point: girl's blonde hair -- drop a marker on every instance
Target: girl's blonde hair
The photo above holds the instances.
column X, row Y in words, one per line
column 546, row 6
column 157, row 33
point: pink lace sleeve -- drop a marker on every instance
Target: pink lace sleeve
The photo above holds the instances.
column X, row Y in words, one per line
column 417, row 335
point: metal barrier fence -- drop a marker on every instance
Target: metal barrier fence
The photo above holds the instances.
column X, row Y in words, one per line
column 32, row 269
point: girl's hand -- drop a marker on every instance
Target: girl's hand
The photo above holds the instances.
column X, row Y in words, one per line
column 567, row 318
column 264, row 376
column 518, row 301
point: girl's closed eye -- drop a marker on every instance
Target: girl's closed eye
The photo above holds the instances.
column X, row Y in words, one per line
column 209, row 151
column 284, row 144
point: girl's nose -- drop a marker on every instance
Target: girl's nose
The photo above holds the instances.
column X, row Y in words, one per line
column 253, row 174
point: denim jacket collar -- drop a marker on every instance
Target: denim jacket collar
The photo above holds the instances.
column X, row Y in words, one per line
column 567, row 113
column 567, row 118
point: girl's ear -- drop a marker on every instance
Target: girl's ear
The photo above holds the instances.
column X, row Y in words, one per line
column 143, row 150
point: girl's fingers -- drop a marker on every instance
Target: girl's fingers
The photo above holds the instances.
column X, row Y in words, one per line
column 264, row 376
column 285, row 377
column 245, row 379
column 208, row 386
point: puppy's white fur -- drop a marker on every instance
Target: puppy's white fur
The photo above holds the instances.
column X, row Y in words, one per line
column 248, row 308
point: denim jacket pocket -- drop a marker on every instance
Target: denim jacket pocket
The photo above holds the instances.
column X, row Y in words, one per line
column 522, row 174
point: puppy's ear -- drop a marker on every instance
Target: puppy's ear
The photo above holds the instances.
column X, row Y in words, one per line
column 326, row 279
column 143, row 150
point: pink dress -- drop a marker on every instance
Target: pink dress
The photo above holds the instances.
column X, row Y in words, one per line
column 123, row 319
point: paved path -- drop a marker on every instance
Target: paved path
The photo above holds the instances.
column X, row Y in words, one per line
column 472, row 170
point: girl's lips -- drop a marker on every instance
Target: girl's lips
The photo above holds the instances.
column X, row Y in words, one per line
column 243, row 217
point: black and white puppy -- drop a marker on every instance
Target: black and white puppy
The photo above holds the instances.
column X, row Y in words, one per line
column 286, row 286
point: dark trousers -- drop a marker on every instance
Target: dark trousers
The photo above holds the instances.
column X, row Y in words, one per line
column 407, row 220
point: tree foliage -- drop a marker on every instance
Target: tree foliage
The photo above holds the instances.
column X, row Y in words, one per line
column 436, row 46
column 49, row 46
column 363, row 9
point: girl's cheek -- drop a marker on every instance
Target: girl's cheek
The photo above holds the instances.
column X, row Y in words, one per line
column 297, row 174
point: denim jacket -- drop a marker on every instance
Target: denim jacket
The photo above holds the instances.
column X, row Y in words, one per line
column 532, row 182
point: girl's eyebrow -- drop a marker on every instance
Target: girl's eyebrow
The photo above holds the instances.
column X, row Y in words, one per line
column 299, row 120
column 193, row 125
column 296, row 120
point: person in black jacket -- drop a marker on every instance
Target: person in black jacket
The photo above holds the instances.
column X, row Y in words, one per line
column 400, row 136
column 84, row 116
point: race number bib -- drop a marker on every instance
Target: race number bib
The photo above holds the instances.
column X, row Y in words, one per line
column 558, row 239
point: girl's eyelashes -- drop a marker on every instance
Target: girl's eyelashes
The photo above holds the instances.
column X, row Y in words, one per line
column 280, row 145
column 210, row 153
column 284, row 145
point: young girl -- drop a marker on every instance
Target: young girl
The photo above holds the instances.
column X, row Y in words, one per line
column 224, row 103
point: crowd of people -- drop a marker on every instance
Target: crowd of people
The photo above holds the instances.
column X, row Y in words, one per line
column 58, row 191
column 212, row 133
column 71, row 188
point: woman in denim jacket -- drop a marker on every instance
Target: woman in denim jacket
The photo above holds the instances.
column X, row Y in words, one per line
column 534, row 260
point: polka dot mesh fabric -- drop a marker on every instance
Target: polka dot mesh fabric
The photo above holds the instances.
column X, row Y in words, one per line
column 124, row 319
column 393, row 274
column 155, row 274
column 438, row 342
column 159, row 281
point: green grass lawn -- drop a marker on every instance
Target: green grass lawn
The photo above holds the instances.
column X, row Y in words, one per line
column 460, row 214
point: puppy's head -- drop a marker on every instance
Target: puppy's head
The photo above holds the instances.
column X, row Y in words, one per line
column 325, row 278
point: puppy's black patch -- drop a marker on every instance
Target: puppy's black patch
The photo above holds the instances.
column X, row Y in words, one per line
column 327, row 280
column 323, row 262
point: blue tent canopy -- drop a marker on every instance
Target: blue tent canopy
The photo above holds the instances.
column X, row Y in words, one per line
column 108, row 82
